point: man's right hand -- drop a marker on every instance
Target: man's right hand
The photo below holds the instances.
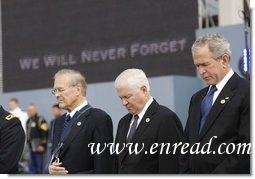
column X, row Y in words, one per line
column 56, row 169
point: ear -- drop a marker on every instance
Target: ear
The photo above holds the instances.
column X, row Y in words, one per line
column 144, row 89
column 78, row 89
column 225, row 60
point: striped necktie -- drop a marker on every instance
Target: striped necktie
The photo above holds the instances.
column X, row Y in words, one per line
column 65, row 125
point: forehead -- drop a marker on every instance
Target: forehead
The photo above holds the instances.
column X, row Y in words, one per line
column 61, row 81
column 202, row 55
column 13, row 102
column 31, row 108
column 124, row 89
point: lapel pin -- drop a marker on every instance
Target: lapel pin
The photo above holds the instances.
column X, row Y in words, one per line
column 223, row 101
column 78, row 123
column 147, row 120
column 226, row 97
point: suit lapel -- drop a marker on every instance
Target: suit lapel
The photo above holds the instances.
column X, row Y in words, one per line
column 123, row 135
column 197, row 114
column 140, row 129
column 222, row 100
column 144, row 124
column 58, row 130
column 75, row 129
column 125, row 128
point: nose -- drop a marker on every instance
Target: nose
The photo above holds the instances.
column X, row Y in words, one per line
column 56, row 95
column 124, row 102
column 201, row 70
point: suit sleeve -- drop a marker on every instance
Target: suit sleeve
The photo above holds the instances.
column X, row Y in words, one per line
column 103, row 163
column 170, row 132
column 239, row 163
column 12, row 142
column 115, row 156
column 184, row 158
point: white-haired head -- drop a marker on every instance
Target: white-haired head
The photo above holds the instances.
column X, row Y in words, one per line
column 133, row 77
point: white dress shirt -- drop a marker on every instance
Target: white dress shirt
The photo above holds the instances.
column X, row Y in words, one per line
column 21, row 115
column 221, row 84
column 77, row 109
column 141, row 114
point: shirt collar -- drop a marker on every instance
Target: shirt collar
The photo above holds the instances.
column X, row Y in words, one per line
column 223, row 82
column 77, row 108
column 141, row 114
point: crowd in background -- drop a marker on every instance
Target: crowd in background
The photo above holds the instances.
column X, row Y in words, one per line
column 38, row 146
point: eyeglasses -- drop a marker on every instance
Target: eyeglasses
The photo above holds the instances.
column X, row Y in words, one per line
column 57, row 90
column 60, row 90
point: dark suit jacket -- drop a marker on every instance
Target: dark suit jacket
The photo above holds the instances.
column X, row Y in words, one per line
column 163, row 127
column 229, row 121
column 96, row 127
column 12, row 139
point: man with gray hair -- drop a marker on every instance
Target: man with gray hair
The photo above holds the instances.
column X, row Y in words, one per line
column 222, row 109
column 146, row 123
column 80, row 126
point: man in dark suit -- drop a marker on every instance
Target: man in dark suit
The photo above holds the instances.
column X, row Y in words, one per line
column 146, row 123
column 12, row 139
column 78, row 128
column 222, row 109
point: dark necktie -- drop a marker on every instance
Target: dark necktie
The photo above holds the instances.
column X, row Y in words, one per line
column 67, row 120
column 206, row 106
column 132, row 128
column 65, row 126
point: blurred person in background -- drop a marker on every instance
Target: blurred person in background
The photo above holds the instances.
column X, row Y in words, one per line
column 16, row 111
column 37, row 136
column 22, row 115
column 56, row 112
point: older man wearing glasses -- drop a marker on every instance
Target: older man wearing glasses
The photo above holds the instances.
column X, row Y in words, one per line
column 80, row 126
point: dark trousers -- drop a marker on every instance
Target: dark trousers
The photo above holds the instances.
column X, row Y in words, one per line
column 36, row 165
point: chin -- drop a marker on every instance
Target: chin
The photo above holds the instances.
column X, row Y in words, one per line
column 62, row 106
column 131, row 112
column 209, row 83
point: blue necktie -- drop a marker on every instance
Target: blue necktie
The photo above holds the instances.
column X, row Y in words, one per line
column 206, row 106
column 65, row 126
column 133, row 128
column 67, row 120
